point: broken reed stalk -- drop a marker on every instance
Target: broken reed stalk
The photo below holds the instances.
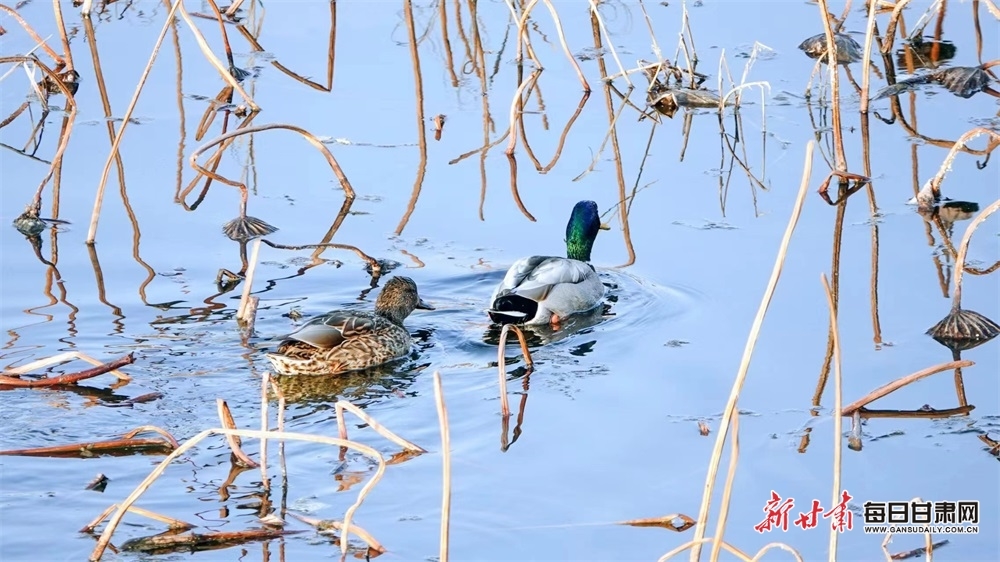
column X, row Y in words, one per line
column 833, row 66
column 213, row 60
column 523, row 42
column 963, row 250
column 173, row 524
column 326, row 524
column 502, row 363
column 265, row 406
column 241, row 312
column 611, row 44
column 128, row 444
column 418, row 84
column 652, row 35
column 70, row 378
column 928, row 543
column 311, row 138
column 522, row 37
column 124, row 506
column 727, row 491
column 690, row 544
column 372, row 262
column 900, row 383
column 62, row 358
column 890, row 30
column 224, row 35
column 70, row 118
column 227, row 421
column 932, row 189
column 516, row 113
column 442, row 412
column 342, row 405
column 741, row 373
column 838, row 400
column 99, row 197
column 34, row 36
column 559, row 145
column 866, row 57
column 61, row 25
column 683, row 47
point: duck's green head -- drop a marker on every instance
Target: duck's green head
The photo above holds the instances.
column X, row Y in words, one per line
column 398, row 299
column 581, row 231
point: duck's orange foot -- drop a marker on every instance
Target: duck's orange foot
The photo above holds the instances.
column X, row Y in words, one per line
column 554, row 321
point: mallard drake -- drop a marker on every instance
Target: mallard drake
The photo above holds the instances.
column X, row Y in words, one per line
column 348, row 340
column 545, row 289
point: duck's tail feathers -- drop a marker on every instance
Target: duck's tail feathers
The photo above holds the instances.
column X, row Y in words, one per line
column 512, row 309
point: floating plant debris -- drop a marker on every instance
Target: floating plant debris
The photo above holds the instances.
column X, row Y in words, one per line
column 950, row 211
column 925, row 54
column 848, row 50
column 963, row 81
column 247, row 228
column 28, row 223
column 70, row 79
column 666, row 100
column 964, row 329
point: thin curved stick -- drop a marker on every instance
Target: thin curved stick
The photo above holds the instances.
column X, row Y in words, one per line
column 522, row 34
column 866, row 57
column 372, row 262
column 890, row 30
column 502, row 363
column 212, row 59
column 901, row 382
column 153, row 429
column 833, row 66
column 741, row 373
column 773, row 545
column 64, row 357
column 124, row 506
column 226, row 138
column 566, row 51
column 611, row 44
column 418, row 84
column 34, row 36
column 344, row 183
column 963, row 250
column 442, row 412
column 726, row 546
column 342, row 405
column 727, row 491
column 226, row 418
column 99, row 197
column 70, row 118
column 838, row 401
column 934, row 184
column 515, row 110
column 562, row 138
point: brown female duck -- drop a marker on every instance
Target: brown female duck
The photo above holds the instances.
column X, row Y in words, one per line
column 347, row 340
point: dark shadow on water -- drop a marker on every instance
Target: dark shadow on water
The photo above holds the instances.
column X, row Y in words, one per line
column 538, row 336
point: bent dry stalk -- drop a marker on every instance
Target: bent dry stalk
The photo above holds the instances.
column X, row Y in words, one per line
column 964, row 329
column 730, row 410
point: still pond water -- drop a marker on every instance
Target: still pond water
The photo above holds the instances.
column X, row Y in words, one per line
column 609, row 427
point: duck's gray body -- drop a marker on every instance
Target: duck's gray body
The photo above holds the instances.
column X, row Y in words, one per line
column 538, row 287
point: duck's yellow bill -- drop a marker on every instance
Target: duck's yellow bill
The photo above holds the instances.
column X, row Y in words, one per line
column 605, row 226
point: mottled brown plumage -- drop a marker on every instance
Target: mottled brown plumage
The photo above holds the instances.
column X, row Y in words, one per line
column 345, row 340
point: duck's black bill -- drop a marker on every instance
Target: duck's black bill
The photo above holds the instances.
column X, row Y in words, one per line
column 423, row 305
